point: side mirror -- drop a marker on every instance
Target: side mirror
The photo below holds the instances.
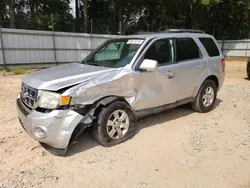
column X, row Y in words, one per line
column 149, row 65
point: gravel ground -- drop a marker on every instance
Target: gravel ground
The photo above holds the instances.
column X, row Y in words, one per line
column 177, row 148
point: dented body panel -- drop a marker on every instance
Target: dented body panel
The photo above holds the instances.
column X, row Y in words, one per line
column 56, row 78
column 117, row 82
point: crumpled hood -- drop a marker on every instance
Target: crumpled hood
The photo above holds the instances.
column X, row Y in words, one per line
column 62, row 76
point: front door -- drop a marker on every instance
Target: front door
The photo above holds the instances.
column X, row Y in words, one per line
column 160, row 87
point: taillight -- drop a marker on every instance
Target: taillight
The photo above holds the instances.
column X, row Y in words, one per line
column 223, row 63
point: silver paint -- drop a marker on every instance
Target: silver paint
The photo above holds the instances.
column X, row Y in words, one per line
column 142, row 90
column 62, row 76
column 208, row 97
column 58, row 125
column 117, row 124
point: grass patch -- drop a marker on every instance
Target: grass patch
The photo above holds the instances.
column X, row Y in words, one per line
column 21, row 71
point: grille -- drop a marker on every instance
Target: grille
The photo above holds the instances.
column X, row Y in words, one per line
column 28, row 95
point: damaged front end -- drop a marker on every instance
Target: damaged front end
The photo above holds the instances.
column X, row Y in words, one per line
column 88, row 99
column 63, row 125
column 68, row 97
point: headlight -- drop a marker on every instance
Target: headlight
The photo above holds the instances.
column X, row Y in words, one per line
column 51, row 100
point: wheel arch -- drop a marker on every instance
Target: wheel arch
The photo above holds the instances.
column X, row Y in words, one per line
column 92, row 111
column 105, row 101
column 210, row 77
column 213, row 78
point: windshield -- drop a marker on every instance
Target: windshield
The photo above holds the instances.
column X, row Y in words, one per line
column 114, row 53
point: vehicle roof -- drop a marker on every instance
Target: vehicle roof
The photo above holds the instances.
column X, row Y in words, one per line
column 154, row 35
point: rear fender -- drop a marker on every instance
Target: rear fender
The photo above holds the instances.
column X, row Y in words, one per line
column 199, row 84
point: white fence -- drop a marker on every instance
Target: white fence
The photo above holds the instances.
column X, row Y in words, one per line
column 26, row 46
column 235, row 47
column 20, row 47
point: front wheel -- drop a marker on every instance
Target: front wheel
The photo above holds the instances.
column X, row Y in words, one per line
column 115, row 124
column 206, row 97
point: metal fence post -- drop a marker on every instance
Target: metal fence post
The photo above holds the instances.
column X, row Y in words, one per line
column 120, row 27
column 247, row 48
column 222, row 48
column 91, row 31
column 54, row 41
column 2, row 47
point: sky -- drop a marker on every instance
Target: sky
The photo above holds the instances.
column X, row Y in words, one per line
column 72, row 5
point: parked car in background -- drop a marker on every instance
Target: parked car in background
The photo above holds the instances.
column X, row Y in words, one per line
column 122, row 80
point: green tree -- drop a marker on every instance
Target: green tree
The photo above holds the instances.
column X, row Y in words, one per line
column 226, row 19
column 77, row 20
column 85, row 15
column 12, row 13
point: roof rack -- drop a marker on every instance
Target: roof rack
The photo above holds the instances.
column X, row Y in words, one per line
column 174, row 31
column 184, row 31
column 143, row 32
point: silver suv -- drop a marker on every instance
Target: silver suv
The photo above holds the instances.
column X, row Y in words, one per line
column 122, row 80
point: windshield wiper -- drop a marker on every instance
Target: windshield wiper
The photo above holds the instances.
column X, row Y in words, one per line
column 93, row 63
column 90, row 63
column 82, row 62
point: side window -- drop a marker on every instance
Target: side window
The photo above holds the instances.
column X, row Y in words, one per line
column 161, row 51
column 186, row 49
column 210, row 46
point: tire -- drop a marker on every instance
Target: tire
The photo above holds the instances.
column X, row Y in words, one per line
column 101, row 130
column 198, row 105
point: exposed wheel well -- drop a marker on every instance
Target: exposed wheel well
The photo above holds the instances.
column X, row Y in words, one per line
column 215, row 79
column 93, row 111
column 106, row 101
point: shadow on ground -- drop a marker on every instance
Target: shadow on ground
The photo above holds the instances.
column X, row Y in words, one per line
column 246, row 78
column 86, row 141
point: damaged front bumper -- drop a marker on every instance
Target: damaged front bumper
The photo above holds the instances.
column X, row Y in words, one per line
column 53, row 129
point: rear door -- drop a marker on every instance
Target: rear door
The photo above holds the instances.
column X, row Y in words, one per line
column 216, row 63
column 192, row 66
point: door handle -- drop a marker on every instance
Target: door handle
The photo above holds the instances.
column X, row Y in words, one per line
column 170, row 75
column 201, row 66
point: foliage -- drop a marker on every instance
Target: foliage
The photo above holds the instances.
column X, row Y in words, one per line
column 36, row 14
column 225, row 19
column 21, row 71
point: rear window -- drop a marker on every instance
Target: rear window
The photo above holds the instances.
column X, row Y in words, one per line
column 187, row 49
column 210, row 46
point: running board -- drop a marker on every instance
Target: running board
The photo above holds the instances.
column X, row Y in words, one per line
column 159, row 109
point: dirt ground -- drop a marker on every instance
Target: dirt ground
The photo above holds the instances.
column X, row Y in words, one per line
column 178, row 148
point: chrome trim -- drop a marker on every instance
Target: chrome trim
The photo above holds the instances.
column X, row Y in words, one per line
column 28, row 95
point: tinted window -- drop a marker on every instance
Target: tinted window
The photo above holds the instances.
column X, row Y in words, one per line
column 210, row 46
column 186, row 49
column 161, row 51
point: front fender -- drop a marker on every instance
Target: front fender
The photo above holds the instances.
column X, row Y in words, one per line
column 119, row 84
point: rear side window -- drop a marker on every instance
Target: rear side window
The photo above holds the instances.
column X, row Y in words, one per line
column 186, row 49
column 210, row 46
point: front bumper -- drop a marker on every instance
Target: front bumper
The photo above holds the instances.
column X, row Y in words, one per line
column 54, row 128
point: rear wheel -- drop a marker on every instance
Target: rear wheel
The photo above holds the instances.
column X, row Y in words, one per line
column 115, row 124
column 206, row 97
